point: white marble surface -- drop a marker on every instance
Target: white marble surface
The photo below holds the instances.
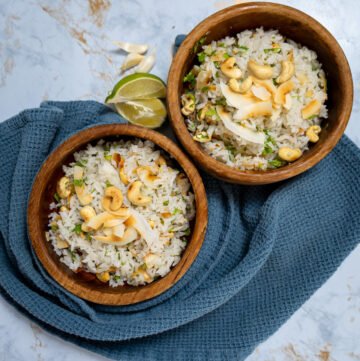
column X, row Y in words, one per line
column 62, row 50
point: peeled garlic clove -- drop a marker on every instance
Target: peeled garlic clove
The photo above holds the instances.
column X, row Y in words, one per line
column 146, row 64
column 131, row 60
column 260, row 92
column 131, row 48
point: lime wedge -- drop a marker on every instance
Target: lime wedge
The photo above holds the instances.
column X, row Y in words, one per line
column 149, row 113
column 137, row 86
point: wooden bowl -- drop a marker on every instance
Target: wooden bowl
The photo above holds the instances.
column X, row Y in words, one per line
column 295, row 25
column 86, row 285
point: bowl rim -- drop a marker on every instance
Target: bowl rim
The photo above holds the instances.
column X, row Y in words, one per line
column 36, row 228
column 217, row 168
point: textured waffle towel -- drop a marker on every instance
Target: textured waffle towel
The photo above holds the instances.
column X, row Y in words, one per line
column 267, row 249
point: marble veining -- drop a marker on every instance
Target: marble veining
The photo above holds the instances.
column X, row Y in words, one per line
column 63, row 50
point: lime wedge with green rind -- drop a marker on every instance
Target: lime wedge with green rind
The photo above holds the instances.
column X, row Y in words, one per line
column 149, row 113
column 137, row 86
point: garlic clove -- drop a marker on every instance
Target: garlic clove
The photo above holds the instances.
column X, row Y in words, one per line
column 131, row 60
column 131, row 48
column 146, row 64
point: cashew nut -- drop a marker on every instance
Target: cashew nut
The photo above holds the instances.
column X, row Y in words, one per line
column 260, row 71
column 312, row 133
column 146, row 174
column 289, row 154
column 84, row 198
column 287, row 71
column 228, row 68
column 115, row 196
column 135, row 196
column 87, row 213
column 282, row 90
column 241, row 88
column 188, row 102
column 63, row 188
column 311, row 109
column 103, row 277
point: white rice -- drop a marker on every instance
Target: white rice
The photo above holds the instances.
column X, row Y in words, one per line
column 170, row 213
column 288, row 129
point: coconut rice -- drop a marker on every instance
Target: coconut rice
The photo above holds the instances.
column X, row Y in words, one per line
column 255, row 101
column 122, row 212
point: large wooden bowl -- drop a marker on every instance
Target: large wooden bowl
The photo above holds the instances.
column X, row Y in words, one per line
column 295, row 25
column 86, row 285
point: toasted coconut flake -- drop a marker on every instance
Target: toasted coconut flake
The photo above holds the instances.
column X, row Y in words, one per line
column 131, row 48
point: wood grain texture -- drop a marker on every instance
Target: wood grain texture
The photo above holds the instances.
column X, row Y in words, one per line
column 295, row 25
column 83, row 284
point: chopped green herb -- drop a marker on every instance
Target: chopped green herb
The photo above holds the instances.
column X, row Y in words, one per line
column 143, row 267
column 221, row 101
column 108, row 184
column 226, row 56
column 187, row 232
column 201, row 57
column 72, row 255
column 78, row 182
column 54, row 227
column 116, row 278
column 217, row 64
column 77, row 229
column 190, row 78
column 274, row 81
column 276, row 163
column 211, row 112
column 88, row 236
column 217, row 74
column 221, row 44
column 176, row 211
column 312, row 117
column 200, row 42
column 107, row 156
column 204, row 89
column 272, row 50
column 57, row 197
column 81, row 163
column 166, row 203
column 243, row 47
column 161, row 220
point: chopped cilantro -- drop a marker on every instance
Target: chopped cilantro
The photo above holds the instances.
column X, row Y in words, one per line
column 217, row 64
column 81, row 163
column 107, row 156
column 226, row 56
column 108, row 184
column 190, row 78
column 221, row 101
column 200, row 42
column 272, row 50
column 312, row 117
column 221, row 44
column 57, row 197
column 212, row 112
column 161, row 220
column 204, row 89
column 72, row 255
column 78, row 182
column 77, row 229
column 276, row 163
column 187, row 232
column 201, row 57
column 54, row 227
column 274, row 81
column 116, row 278
column 166, row 203
column 176, row 211
column 243, row 47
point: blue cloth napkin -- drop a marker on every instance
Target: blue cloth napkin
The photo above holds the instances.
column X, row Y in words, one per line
column 267, row 249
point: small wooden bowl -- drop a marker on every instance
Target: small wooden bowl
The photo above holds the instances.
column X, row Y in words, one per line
column 85, row 285
column 295, row 25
